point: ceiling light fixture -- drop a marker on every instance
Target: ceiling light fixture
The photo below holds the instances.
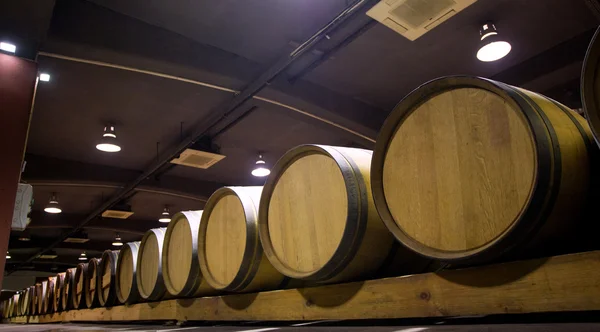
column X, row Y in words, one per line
column 83, row 257
column 492, row 47
column 53, row 206
column 260, row 169
column 165, row 216
column 25, row 236
column 109, row 141
column 45, row 77
column 7, row 255
column 8, row 47
column 117, row 242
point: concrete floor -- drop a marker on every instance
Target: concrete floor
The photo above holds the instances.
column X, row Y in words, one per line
column 308, row 327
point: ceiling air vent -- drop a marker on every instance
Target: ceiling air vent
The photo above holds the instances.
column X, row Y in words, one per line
column 197, row 159
column 414, row 18
column 79, row 237
column 116, row 214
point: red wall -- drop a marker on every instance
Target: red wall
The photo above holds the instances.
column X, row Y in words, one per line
column 17, row 89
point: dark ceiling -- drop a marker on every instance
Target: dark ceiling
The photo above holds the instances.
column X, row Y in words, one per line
column 161, row 69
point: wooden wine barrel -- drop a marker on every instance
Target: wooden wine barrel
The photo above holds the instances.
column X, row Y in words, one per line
column 32, row 304
column 317, row 220
column 49, row 295
column 12, row 305
column 149, row 275
column 467, row 169
column 78, row 286
column 125, row 283
column 230, row 252
column 58, row 290
column 66, row 298
column 37, row 297
column 19, row 303
column 180, row 269
column 91, row 284
column 26, row 301
column 42, row 295
column 590, row 85
column 107, row 295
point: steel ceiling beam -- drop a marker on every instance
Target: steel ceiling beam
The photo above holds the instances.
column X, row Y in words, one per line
column 222, row 115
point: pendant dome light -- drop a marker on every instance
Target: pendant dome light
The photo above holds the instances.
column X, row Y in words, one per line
column 165, row 216
column 25, row 236
column 492, row 47
column 117, row 242
column 260, row 169
column 53, row 206
column 109, row 142
column 8, row 255
column 83, row 257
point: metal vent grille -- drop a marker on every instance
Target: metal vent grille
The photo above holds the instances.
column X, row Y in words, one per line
column 116, row 214
column 76, row 240
column 413, row 18
column 418, row 12
column 197, row 159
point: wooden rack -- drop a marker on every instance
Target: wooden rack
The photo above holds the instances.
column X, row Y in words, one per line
column 555, row 284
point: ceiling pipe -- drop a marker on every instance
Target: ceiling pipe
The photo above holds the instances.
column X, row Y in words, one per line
column 220, row 114
column 332, row 51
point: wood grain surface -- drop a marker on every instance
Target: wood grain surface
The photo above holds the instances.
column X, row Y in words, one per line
column 125, row 273
column 459, row 170
column 66, row 296
column 562, row 283
column 148, row 268
column 91, row 283
column 307, row 212
column 179, row 247
column 225, row 239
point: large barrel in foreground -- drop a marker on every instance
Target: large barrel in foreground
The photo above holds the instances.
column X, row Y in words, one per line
column 78, row 289
column 149, row 275
column 180, row 269
column 317, row 220
column 125, row 282
column 467, row 169
column 91, row 284
column 107, row 295
column 230, row 252
column 590, row 85
column 66, row 298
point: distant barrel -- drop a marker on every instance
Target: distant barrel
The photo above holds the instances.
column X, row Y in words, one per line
column 26, row 301
column 66, row 298
column 107, row 295
column 42, row 294
column 149, row 265
column 230, row 252
column 58, row 290
column 78, row 290
column 126, row 286
column 91, row 284
column 35, row 306
column 180, row 269
column 48, row 308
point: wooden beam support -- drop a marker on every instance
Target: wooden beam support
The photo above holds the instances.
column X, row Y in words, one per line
column 562, row 283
